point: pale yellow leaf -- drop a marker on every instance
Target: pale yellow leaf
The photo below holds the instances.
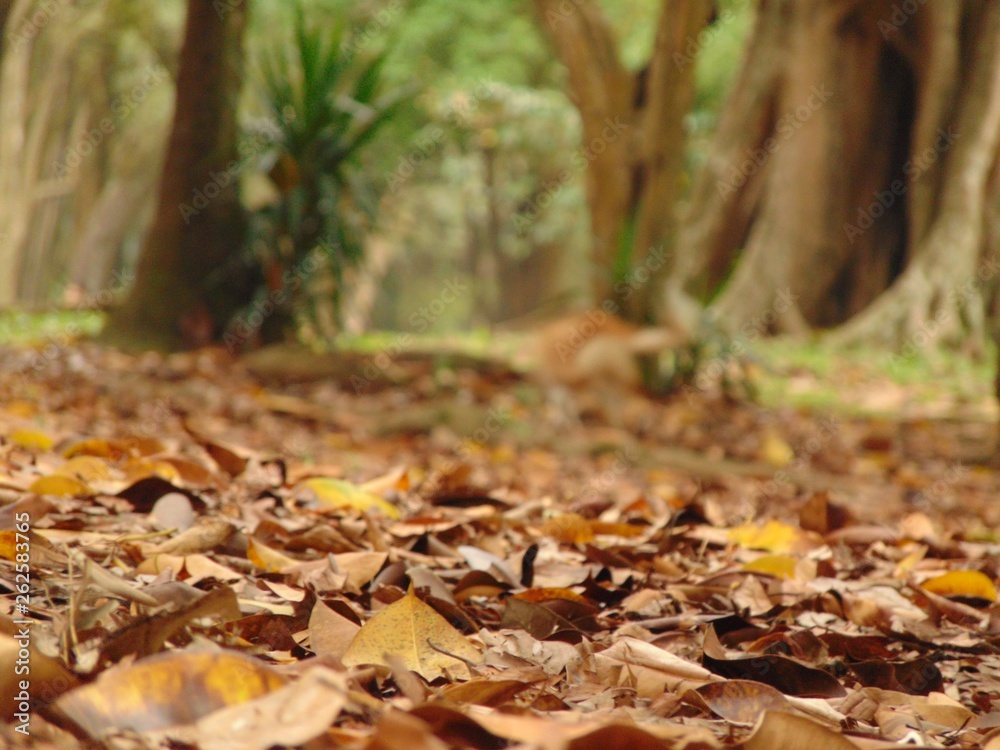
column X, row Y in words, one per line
column 421, row 638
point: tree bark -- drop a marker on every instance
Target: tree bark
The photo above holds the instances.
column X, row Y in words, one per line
column 852, row 158
column 940, row 291
column 199, row 221
column 632, row 141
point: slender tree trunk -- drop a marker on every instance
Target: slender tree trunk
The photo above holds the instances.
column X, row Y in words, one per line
column 199, row 222
column 15, row 177
column 122, row 203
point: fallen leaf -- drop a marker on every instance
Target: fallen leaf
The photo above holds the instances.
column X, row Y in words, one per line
column 775, row 451
column 336, row 493
column 778, row 730
column 963, row 583
column 44, row 678
column 738, row 701
column 292, row 715
column 568, row 528
column 31, row 440
column 168, row 689
column 59, row 486
column 330, row 632
column 423, row 639
column 773, row 536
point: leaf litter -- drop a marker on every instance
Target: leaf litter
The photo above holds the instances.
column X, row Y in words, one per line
column 219, row 560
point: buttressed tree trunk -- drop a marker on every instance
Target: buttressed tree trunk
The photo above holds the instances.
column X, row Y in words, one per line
column 199, row 221
column 633, row 141
column 850, row 169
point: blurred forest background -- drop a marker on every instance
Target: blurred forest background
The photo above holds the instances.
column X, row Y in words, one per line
column 436, row 165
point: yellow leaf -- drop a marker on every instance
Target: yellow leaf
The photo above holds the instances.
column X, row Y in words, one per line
column 773, row 536
column 31, row 440
column 168, row 689
column 780, row 566
column 23, row 409
column 59, row 486
column 336, row 493
column 91, row 447
column 419, row 636
column 86, row 468
column 970, row 583
column 569, row 528
column 140, row 468
column 269, row 559
column 775, row 451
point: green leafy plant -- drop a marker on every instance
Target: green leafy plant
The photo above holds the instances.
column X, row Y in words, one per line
column 328, row 104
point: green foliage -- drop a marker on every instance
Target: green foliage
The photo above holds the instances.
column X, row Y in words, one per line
column 459, row 44
column 328, row 101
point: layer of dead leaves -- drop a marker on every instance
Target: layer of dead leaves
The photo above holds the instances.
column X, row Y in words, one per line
column 433, row 558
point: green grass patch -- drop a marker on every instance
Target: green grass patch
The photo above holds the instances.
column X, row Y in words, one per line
column 20, row 328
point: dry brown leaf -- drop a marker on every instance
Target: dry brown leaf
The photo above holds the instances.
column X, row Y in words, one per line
column 360, row 567
column 329, row 632
column 738, row 701
column 289, row 716
column 784, row 731
column 269, row 559
column 203, row 537
column 28, row 678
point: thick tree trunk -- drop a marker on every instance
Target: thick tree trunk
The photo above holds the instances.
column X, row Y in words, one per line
column 632, row 141
column 853, row 156
column 199, row 221
column 940, row 293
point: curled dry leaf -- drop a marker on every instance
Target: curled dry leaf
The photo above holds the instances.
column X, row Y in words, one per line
column 778, row 730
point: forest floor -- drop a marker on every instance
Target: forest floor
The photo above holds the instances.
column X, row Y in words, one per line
column 425, row 552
